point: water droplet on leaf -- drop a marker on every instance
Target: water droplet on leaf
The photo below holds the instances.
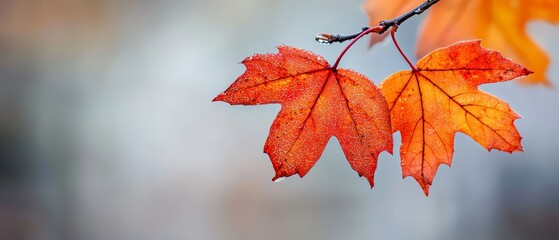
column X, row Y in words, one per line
column 279, row 179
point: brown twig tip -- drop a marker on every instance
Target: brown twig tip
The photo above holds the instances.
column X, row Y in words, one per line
column 327, row 38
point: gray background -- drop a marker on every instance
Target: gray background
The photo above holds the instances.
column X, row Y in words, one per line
column 108, row 132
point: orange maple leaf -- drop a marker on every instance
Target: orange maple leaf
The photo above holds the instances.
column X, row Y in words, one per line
column 318, row 102
column 430, row 104
column 499, row 23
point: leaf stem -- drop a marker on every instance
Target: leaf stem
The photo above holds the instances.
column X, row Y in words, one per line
column 384, row 25
column 399, row 49
column 360, row 35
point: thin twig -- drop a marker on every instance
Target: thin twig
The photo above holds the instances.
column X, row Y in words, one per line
column 402, row 18
column 327, row 38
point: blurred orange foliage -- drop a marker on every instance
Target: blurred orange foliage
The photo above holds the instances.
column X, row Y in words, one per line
column 501, row 24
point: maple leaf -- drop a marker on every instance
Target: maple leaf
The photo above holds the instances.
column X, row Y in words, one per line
column 500, row 23
column 430, row 104
column 318, row 102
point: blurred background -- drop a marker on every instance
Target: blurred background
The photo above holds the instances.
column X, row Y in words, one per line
column 107, row 131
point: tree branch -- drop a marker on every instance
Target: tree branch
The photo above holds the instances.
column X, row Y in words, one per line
column 402, row 18
column 327, row 38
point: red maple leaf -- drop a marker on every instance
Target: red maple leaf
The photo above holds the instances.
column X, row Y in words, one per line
column 318, row 102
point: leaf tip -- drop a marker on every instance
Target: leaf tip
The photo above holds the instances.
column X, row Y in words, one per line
column 277, row 179
column 525, row 72
column 284, row 49
column 371, row 181
column 219, row 98
column 426, row 189
column 425, row 186
column 518, row 148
